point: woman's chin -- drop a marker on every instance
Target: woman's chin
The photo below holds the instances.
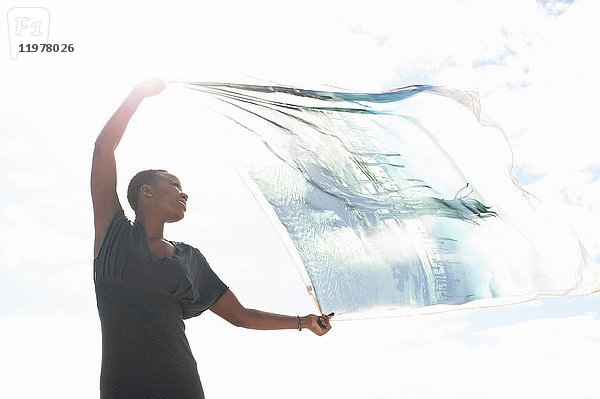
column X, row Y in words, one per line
column 176, row 218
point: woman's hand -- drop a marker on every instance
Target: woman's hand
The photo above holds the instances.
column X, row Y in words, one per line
column 317, row 324
column 149, row 88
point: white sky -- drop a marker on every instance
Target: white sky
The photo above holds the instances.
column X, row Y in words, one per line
column 534, row 65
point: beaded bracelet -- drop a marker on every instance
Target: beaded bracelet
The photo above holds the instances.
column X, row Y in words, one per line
column 299, row 323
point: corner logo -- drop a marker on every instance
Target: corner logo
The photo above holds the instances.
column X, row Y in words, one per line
column 27, row 26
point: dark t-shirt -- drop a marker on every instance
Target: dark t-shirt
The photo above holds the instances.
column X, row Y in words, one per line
column 142, row 302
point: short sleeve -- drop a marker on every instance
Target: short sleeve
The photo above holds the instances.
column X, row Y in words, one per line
column 106, row 261
column 207, row 287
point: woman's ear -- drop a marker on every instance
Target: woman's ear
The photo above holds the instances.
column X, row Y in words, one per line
column 146, row 190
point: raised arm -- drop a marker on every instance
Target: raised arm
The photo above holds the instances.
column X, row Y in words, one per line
column 230, row 309
column 104, row 171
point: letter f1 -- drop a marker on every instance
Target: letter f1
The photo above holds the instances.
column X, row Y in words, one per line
column 27, row 25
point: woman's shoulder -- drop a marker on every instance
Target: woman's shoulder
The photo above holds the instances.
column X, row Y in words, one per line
column 119, row 228
column 191, row 251
column 186, row 246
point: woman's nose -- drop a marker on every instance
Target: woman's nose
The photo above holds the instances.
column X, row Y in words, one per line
column 184, row 195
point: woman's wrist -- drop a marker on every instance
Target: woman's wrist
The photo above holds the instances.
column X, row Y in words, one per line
column 305, row 322
column 147, row 88
column 135, row 97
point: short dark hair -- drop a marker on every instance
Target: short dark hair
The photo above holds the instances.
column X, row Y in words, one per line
column 144, row 177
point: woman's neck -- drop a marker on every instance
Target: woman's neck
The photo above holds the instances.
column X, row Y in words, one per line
column 154, row 227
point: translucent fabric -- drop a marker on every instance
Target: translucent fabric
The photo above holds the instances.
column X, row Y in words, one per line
column 395, row 203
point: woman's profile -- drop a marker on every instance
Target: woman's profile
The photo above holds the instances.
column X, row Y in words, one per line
column 147, row 285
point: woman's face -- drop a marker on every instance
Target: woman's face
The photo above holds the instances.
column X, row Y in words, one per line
column 168, row 198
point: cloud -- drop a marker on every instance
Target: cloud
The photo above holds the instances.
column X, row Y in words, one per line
column 425, row 356
column 554, row 7
column 49, row 355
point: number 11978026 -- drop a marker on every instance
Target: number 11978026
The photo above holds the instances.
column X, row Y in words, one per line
column 46, row 48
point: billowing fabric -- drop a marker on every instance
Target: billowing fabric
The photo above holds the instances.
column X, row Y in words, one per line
column 399, row 201
column 142, row 302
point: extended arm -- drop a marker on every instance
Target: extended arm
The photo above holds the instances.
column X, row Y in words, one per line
column 230, row 309
column 104, row 170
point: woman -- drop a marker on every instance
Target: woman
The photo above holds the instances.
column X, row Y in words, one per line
column 146, row 285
